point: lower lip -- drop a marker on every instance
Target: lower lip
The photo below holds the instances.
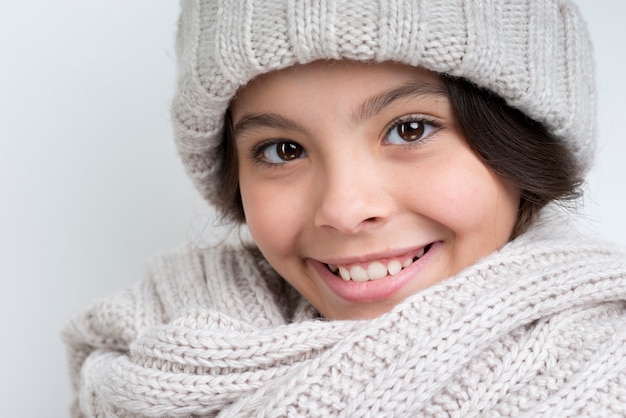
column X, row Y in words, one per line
column 374, row 290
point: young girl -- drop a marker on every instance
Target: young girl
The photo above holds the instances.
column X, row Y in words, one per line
column 402, row 167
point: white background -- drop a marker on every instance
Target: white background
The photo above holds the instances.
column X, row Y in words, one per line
column 90, row 184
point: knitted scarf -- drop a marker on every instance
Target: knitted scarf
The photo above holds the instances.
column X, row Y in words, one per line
column 535, row 329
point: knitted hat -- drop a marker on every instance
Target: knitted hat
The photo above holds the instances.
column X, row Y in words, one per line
column 536, row 54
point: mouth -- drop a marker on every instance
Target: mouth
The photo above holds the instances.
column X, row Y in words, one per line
column 377, row 269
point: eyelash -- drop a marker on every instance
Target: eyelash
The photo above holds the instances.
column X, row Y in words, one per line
column 256, row 154
column 430, row 122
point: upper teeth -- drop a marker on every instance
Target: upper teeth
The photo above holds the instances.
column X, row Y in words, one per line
column 375, row 270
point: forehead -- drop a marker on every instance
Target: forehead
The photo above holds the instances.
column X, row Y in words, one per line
column 357, row 80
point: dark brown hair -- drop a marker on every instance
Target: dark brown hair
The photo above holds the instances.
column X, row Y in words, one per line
column 520, row 150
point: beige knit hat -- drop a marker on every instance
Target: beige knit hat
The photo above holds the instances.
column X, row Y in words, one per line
column 536, row 54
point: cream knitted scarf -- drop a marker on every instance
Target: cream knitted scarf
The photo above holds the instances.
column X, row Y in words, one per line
column 536, row 329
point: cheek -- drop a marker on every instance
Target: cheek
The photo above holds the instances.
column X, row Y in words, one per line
column 470, row 200
column 466, row 197
column 271, row 215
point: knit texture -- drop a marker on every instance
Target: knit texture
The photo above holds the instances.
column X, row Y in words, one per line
column 536, row 54
column 535, row 329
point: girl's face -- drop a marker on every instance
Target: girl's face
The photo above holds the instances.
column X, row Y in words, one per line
column 358, row 186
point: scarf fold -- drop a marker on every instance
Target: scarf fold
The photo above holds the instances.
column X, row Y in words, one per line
column 535, row 329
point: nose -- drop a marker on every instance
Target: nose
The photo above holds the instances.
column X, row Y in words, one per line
column 352, row 197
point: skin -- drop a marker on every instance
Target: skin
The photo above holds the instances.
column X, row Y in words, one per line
column 350, row 189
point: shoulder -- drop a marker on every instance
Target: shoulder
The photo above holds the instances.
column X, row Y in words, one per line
column 188, row 278
column 232, row 279
column 561, row 229
column 208, row 276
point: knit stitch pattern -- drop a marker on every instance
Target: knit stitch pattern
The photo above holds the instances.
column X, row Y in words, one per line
column 535, row 329
column 536, row 54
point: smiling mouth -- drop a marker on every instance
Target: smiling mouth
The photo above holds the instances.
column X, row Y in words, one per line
column 375, row 270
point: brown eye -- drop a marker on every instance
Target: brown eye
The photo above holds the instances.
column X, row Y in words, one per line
column 282, row 151
column 411, row 131
column 288, row 151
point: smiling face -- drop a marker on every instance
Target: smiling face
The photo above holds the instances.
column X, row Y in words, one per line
column 358, row 187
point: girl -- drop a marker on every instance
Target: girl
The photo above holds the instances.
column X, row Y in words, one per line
column 398, row 165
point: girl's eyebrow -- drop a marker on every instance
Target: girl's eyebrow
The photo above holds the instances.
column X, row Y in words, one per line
column 370, row 107
column 375, row 104
column 266, row 120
